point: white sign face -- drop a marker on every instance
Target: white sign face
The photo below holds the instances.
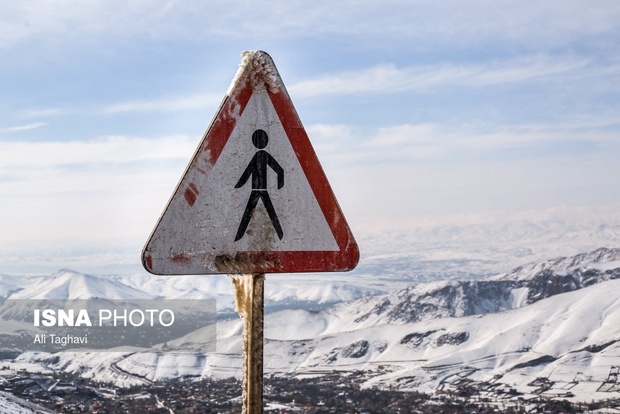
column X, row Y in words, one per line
column 246, row 203
column 219, row 207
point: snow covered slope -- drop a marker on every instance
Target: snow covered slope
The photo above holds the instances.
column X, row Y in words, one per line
column 67, row 284
column 573, row 338
column 9, row 404
column 11, row 284
column 600, row 259
column 560, row 320
column 310, row 290
column 475, row 297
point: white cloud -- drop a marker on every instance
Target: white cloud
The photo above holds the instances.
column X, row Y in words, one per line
column 164, row 104
column 396, row 192
column 531, row 23
column 19, row 128
column 391, row 79
column 102, row 192
column 75, row 21
column 81, row 193
column 18, row 155
column 435, row 141
column 328, row 138
column 46, row 112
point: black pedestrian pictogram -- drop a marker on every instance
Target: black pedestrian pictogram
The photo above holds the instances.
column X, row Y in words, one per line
column 257, row 169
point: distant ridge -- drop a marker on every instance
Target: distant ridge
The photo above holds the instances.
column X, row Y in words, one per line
column 69, row 284
column 525, row 285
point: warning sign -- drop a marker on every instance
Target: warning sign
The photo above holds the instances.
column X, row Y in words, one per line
column 254, row 198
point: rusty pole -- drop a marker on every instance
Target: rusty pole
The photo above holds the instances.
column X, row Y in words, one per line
column 250, row 305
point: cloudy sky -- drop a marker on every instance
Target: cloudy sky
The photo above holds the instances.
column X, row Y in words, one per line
column 420, row 111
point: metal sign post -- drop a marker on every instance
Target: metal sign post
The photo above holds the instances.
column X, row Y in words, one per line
column 249, row 304
column 253, row 200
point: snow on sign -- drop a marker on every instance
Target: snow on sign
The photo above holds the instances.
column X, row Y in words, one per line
column 254, row 198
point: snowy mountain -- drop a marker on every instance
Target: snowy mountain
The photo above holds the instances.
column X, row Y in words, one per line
column 558, row 319
column 68, row 284
column 525, row 285
column 572, row 339
column 11, row 284
column 600, row 259
column 280, row 291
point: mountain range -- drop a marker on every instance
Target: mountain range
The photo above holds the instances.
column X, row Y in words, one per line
column 550, row 328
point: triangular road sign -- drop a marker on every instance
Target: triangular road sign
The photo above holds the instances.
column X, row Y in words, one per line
column 254, row 198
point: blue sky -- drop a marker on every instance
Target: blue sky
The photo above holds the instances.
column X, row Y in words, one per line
column 420, row 111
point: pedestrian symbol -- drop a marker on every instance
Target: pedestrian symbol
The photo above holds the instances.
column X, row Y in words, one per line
column 257, row 169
